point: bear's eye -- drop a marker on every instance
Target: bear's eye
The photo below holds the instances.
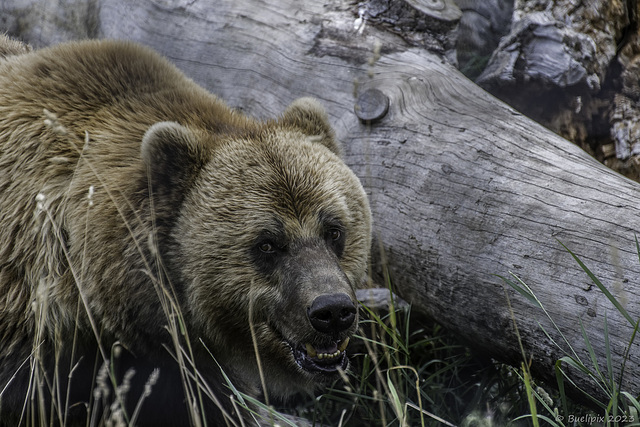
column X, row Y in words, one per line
column 335, row 239
column 266, row 247
column 335, row 234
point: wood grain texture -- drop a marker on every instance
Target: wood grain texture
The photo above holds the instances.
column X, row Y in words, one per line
column 462, row 187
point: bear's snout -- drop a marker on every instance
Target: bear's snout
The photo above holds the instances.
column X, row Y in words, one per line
column 332, row 313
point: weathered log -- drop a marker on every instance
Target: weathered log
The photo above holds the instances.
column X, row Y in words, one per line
column 462, row 187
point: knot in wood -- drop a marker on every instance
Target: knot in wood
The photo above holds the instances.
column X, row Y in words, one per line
column 371, row 106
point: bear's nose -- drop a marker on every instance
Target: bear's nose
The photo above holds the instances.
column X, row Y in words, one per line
column 332, row 313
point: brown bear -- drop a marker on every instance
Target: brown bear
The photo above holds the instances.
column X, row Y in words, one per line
column 161, row 253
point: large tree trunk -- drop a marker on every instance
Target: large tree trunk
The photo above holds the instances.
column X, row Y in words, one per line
column 462, row 187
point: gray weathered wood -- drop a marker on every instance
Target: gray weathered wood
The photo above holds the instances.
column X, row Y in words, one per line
column 462, row 187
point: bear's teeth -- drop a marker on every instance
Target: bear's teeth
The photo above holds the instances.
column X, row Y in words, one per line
column 311, row 352
column 343, row 345
column 329, row 355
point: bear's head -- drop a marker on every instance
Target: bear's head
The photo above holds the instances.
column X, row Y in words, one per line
column 269, row 237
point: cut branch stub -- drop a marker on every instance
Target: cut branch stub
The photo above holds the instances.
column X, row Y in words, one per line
column 372, row 105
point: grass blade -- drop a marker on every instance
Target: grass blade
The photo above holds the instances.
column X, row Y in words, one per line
column 561, row 391
column 530, row 398
column 396, row 402
column 602, row 288
column 525, row 292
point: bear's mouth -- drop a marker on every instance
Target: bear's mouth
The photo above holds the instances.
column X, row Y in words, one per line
column 325, row 359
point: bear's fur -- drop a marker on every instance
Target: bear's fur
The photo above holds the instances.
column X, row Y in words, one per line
column 9, row 47
column 138, row 208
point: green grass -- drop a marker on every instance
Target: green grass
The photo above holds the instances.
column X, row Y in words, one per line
column 619, row 407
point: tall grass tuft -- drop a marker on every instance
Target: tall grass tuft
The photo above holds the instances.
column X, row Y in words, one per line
column 45, row 403
column 619, row 406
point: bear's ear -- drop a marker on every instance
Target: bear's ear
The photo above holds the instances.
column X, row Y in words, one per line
column 173, row 156
column 310, row 117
